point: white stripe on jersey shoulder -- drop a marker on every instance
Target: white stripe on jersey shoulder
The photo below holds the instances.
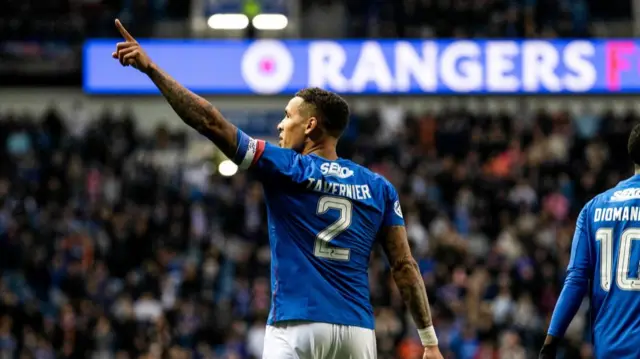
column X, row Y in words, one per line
column 252, row 149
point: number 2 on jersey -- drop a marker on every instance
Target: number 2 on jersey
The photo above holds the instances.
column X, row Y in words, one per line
column 605, row 237
column 323, row 248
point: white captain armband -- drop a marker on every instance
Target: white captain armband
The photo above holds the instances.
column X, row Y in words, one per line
column 249, row 150
column 428, row 336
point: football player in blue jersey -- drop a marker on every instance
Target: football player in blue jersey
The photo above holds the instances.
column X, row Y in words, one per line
column 324, row 213
column 605, row 262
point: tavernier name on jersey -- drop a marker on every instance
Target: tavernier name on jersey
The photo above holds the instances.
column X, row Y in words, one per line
column 324, row 217
column 352, row 191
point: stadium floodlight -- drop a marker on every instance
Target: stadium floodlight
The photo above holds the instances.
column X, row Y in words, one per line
column 227, row 168
column 228, row 21
column 270, row 22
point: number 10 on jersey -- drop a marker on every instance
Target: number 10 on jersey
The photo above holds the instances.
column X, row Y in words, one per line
column 323, row 248
column 605, row 237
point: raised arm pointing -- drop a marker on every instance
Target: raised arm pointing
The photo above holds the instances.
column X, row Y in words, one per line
column 194, row 110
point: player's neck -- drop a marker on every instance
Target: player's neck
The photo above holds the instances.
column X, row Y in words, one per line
column 636, row 170
column 325, row 149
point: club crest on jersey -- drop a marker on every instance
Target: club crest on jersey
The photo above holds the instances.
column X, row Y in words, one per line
column 397, row 209
column 335, row 170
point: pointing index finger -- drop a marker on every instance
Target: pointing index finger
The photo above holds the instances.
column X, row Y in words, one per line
column 125, row 34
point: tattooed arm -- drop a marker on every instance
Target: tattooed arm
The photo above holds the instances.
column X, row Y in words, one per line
column 196, row 111
column 192, row 109
column 407, row 275
column 408, row 279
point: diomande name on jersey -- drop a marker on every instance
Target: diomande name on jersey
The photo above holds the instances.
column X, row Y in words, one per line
column 620, row 213
column 324, row 217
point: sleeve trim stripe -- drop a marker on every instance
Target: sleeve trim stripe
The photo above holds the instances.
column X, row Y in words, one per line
column 259, row 151
column 255, row 148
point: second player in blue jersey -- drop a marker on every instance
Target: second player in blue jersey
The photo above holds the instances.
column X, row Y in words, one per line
column 605, row 257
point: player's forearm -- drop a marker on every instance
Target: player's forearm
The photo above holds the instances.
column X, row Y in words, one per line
column 195, row 111
column 409, row 281
column 569, row 301
column 407, row 276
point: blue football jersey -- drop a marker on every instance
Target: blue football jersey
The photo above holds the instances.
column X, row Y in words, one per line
column 605, row 260
column 324, row 217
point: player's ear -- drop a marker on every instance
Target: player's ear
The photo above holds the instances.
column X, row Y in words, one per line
column 312, row 125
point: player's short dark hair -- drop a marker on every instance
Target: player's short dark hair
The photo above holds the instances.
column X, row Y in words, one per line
column 633, row 146
column 331, row 110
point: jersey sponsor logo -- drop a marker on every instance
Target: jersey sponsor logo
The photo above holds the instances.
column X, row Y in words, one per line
column 335, row 170
column 625, row 195
column 267, row 66
column 397, row 209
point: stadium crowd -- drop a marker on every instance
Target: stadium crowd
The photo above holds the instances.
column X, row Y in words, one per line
column 453, row 18
column 74, row 20
column 112, row 245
